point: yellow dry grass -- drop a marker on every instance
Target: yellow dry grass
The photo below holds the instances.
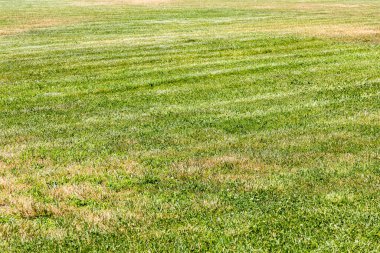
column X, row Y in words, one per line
column 336, row 30
column 37, row 23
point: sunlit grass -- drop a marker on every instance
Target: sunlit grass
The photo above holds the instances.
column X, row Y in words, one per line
column 189, row 125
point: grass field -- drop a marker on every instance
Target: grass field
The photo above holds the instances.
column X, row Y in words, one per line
column 189, row 125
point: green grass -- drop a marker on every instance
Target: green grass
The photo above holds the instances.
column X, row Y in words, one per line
column 189, row 125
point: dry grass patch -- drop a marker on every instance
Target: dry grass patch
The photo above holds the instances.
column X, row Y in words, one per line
column 104, row 219
column 56, row 233
column 3, row 165
column 115, row 165
column 33, row 25
column 11, row 152
column 9, row 185
column 338, row 30
column 228, row 168
column 27, row 207
column 343, row 32
column 227, row 162
column 82, row 191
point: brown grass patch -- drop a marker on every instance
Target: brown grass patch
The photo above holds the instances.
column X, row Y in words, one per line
column 33, row 25
column 9, row 185
column 103, row 219
column 27, row 207
column 82, row 191
column 11, row 152
column 349, row 32
column 339, row 30
column 3, row 165
column 224, row 168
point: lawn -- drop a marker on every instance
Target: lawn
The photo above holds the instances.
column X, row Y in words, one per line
column 189, row 125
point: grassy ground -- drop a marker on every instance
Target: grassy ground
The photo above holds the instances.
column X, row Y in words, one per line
column 189, row 125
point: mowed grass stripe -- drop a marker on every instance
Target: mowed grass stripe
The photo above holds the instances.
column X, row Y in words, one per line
column 150, row 72
column 256, row 69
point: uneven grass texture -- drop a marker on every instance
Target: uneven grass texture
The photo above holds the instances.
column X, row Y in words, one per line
column 186, row 125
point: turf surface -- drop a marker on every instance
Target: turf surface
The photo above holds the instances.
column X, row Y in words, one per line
column 130, row 126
